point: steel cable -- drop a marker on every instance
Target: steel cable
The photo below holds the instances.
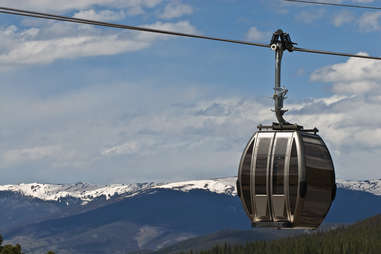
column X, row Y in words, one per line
column 106, row 24
column 334, row 4
column 145, row 29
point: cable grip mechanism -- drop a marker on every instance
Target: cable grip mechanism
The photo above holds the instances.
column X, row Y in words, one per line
column 280, row 42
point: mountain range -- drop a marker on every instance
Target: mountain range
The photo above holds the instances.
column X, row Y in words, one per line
column 123, row 218
column 90, row 192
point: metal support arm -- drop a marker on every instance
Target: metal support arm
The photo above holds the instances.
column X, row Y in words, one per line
column 279, row 43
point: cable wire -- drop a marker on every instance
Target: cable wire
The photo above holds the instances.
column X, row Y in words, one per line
column 314, row 51
column 41, row 15
column 106, row 24
column 333, row 4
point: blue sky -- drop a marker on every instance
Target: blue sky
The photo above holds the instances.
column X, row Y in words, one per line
column 82, row 103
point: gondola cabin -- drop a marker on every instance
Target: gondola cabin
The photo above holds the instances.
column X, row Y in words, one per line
column 286, row 179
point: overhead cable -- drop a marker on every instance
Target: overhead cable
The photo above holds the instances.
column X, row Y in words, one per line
column 41, row 15
column 324, row 52
column 106, row 24
column 335, row 4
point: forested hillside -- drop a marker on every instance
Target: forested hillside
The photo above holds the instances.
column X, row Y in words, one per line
column 363, row 237
column 12, row 249
column 9, row 249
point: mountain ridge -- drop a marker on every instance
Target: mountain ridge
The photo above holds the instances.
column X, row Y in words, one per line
column 89, row 192
column 154, row 219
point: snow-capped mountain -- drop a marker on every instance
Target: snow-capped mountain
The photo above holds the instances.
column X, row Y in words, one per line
column 372, row 186
column 88, row 192
column 220, row 185
column 83, row 191
column 103, row 218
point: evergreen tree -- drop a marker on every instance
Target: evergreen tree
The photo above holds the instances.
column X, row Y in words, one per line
column 12, row 249
column 362, row 238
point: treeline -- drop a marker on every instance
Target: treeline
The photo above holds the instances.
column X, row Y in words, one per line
column 12, row 249
column 361, row 238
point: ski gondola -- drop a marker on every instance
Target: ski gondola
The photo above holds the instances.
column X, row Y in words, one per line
column 286, row 177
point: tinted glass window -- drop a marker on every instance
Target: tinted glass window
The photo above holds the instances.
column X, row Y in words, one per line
column 312, row 140
column 317, row 156
column 293, row 177
column 245, row 177
column 318, row 151
column 261, row 165
column 278, row 165
column 320, row 178
column 318, row 165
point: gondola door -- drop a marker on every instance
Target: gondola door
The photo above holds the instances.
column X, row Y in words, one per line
column 278, row 180
column 260, row 177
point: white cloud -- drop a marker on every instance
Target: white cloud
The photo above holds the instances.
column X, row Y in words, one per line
column 126, row 148
column 310, row 16
column 370, row 21
column 342, row 18
column 175, row 9
column 104, row 15
column 360, row 80
column 359, row 87
column 65, row 41
column 103, row 134
column 104, row 127
column 355, row 76
column 24, row 155
column 350, row 120
column 350, row 127
column 66, row 5
column 255, row 34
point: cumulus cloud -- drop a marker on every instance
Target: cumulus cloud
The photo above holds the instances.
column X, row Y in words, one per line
column 370, row 21
column 355, row 76
column 29, row 154
column 104, row 15
column 103, row 128
column 103, row 134
column 67, row 5
column 175, row 9
column 310, row 16
column 342, row 18
column 351, row 128
column 256, row 35
column 67, row 41
column 126, row 148
column 356, row 122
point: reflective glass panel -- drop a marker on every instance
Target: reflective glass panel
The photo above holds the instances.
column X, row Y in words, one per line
column 293, row 177
column 278, row 165
column 320, row 178
column 245, row 177
column 261, row 165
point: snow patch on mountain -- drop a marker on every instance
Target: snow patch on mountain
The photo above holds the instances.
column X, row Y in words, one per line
column 83, row 191
column 89, row 192
column 373, row 186
column 220, row 185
